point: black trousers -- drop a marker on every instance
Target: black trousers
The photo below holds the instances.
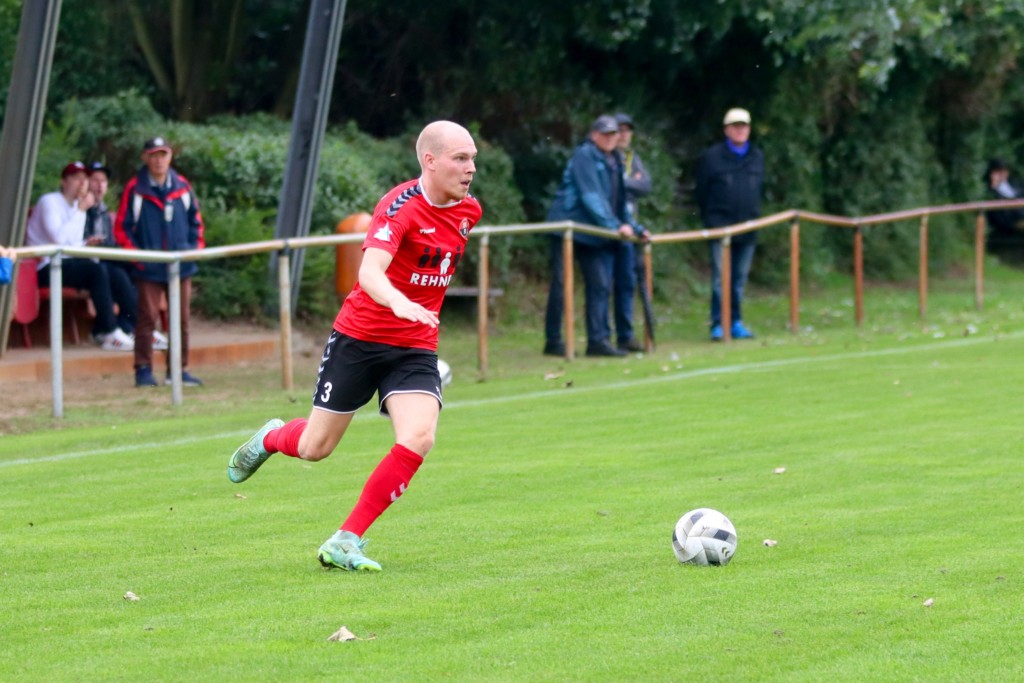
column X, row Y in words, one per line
column 106, row 285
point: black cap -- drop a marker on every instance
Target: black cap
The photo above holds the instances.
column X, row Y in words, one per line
column 98, row 166
column 994, row 165
column 605, row 124
column 156, row 144
column 624, row 119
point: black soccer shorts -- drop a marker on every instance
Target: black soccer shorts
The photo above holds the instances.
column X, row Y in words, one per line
column 351, row 371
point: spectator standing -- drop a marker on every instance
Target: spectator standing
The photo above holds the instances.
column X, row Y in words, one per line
column 730, row 178
column 592, row 192
column 624, row 275
column 1004, row 224
column 59, row 218
column 385, row 338
column 159, row 212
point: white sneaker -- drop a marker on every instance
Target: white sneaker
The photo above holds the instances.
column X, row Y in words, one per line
column 159, row 341
column 117, row 341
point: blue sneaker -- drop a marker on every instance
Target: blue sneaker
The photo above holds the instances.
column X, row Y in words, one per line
column 717, row 333
column 144, row 377
column 251, row 454
column 344, row 550
column 187, row 380
column 740, row 331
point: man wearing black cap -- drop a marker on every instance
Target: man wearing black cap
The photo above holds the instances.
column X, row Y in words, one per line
column 59, row 218
column 592, row 192
column 159, row 212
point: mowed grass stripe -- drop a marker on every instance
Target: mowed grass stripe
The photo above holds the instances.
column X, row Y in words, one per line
column 676, row 376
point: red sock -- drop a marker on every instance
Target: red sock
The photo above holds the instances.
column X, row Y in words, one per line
column 383, row 488
column 286, row 439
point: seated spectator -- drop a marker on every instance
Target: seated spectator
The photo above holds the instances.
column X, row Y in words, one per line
column 7, row 259
column 99, row 231
column 1002, row 222
column 59, row 218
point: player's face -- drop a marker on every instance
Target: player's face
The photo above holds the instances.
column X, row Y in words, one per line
column 454, row 169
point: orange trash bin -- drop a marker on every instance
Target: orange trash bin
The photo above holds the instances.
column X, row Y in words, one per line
column 348, row 256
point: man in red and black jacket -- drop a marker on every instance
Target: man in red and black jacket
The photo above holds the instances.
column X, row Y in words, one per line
column 159, row 212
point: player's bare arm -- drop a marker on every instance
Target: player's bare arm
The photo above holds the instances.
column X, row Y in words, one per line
column 374, row 281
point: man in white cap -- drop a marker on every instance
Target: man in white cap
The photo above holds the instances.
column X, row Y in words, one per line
column 730, row 178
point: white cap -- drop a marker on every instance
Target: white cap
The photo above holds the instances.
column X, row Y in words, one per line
column 736, row 115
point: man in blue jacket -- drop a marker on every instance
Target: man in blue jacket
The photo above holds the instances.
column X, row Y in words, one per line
column 730, row 175
column 592, row 192
column 159, row 212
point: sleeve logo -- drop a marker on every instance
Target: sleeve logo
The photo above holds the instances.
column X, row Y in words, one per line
column 383, row 234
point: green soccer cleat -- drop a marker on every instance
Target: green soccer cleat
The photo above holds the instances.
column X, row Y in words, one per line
column 344, row 550
column 251, row 454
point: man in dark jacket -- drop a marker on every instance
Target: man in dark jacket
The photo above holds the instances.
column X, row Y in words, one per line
column 159, row 212
column 592, row 192
column 730, row 177
column 624, row 275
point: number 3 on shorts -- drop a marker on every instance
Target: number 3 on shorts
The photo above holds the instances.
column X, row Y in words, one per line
column 326, row 395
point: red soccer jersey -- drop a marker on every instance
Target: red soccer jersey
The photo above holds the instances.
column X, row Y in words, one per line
column 426, row 243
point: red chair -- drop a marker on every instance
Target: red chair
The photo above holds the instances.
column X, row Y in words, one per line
column 28, row 297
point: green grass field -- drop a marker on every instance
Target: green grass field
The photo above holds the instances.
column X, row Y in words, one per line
column 534, row 544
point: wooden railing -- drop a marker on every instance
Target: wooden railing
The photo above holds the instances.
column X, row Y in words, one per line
column 284, row 248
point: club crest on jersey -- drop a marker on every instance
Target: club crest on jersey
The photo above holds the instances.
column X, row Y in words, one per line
column 383, row 234
column 464, row 227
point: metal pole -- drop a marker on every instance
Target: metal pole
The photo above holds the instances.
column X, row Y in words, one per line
column 57, row 334
column 483, row 293
column 285, row 317
column 174, row 314
column 23, row 122
column 309, row 120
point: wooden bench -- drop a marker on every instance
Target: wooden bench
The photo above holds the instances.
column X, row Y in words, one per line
column 492, row 293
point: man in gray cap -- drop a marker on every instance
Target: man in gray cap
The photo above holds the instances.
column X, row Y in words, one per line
column 591, row 192
column 730, row 177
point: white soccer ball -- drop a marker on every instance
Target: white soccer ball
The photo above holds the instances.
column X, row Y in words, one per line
column 704, row 536
column 445, row 371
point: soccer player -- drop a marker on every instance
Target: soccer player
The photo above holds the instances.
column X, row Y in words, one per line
column 385, row 338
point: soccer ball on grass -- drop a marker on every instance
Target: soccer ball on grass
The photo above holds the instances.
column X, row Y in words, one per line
column 704, row 536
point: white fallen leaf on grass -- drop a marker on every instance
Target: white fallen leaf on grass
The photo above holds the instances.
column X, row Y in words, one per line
column 771, row 543
column 343, row 635
column 240, row 495
column 778, row 470
column 553, row 375
column 929, row 602
column 131, row 597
